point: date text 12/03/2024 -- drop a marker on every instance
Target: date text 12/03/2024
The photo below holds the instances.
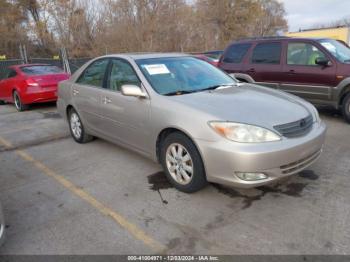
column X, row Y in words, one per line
column 173, row 258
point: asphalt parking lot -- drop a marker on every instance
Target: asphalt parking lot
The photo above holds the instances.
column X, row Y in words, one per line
column 60, row 197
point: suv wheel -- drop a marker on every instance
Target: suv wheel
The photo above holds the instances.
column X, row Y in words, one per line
column 77, row 129
column 182, row 163
column 346, row 107
column 18, row 102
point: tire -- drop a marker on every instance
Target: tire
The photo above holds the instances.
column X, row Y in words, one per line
column 2, row 102
column 346, row 107
column 178, row 168
column 18, row 102
column 77, row 129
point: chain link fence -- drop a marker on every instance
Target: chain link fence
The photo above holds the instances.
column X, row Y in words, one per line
column 6, row 63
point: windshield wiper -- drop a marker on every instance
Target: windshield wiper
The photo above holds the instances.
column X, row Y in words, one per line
column 179, row 92
column 215, row 87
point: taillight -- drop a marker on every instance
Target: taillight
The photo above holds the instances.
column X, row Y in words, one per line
column 31, row 82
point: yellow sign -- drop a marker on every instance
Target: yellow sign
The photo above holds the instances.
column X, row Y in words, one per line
column 56, row 57
column 2, row 57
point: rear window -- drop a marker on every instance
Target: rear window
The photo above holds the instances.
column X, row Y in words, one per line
column 41, row 70
column 235, row 53
column 267, row 53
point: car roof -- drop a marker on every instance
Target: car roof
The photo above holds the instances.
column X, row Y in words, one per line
column 283, row 38
column 136, row 56
column 26, row 65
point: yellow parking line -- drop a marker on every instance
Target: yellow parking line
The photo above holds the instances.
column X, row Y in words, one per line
column 123, row 222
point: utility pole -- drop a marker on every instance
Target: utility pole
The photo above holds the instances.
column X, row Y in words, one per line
column 23, row 53
column 65, row 61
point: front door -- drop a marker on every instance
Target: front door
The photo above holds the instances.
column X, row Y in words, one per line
column 303, row 77
column 126, row 118
column 87, row 91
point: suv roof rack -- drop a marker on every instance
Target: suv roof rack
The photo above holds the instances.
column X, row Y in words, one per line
column 262, row 38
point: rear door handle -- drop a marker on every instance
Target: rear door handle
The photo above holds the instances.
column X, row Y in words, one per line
column 106, row 100
column 292, row 72
column 251, row 70
column 75, row 92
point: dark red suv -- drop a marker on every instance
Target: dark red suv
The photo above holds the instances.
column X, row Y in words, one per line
column 317, row 70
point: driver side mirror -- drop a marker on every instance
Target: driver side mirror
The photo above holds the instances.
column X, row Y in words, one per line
column 133, row 90
column 322, row 61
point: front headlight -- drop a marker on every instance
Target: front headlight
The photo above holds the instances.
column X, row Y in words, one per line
column 243, row 133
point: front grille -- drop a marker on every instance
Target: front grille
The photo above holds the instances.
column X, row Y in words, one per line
column 300, row 164
column 297, row 128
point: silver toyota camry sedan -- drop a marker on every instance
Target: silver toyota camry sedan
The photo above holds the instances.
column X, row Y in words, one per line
column 199, row 123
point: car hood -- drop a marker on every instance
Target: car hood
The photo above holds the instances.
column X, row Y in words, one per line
column 250, row 104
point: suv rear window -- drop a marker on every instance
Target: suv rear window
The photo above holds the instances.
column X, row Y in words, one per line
column 41, row 70
column 267, row 53
column 236, row 52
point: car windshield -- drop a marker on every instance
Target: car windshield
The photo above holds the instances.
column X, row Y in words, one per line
column 180, row 75
column 338, row 50
column 41, row 70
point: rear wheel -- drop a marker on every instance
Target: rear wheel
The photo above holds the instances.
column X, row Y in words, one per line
column 2, row 102
column 77, row 129
column 346, row 107
column 18, row 102
column 182, row 163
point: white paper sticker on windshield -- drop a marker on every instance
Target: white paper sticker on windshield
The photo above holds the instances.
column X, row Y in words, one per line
column 157, row 69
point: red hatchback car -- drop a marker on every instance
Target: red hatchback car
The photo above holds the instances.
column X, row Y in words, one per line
column 210, row 60
column 30, row 83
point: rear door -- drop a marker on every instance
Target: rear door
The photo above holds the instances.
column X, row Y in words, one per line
column 86, row 93
column 264, row 64
column 126, row 118
column 303, row 77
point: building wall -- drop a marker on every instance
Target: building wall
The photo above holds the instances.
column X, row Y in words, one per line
column 341, row 33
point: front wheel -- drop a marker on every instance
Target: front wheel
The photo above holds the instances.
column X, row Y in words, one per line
column 182, row 163
column 18, row 102
column 346, row 108
column 77, row 129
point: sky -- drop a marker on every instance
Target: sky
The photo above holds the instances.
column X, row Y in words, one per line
column 306, row 14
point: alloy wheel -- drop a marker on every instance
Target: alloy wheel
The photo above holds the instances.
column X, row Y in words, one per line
column 179, row 163
column 17, row 101
column 75, row 125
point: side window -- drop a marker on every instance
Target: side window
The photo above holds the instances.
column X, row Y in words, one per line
column 4, row 73
column 94, row 73
column 235, row 53
column 267, row 53
column 11, row 73
column 303, row 54
column 121, row 73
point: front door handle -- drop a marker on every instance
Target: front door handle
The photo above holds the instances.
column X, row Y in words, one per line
column 251, row 70
column 75, row 92
column 106, row 100
column 292, row 72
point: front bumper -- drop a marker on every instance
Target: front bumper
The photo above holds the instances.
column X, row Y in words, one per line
column 222, row 159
